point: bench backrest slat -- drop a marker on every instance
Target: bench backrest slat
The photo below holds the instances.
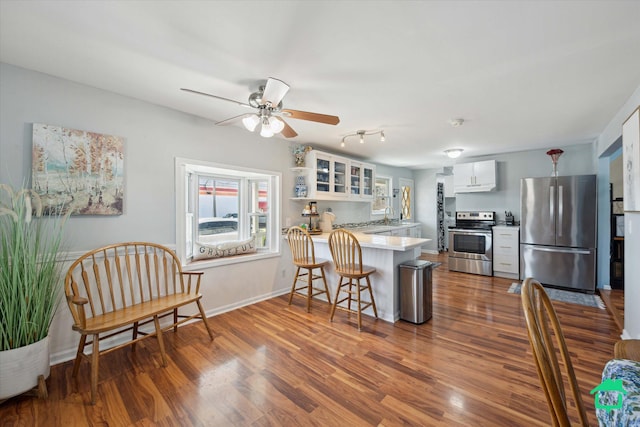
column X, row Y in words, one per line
column 120, row 281
column 107, row 269
column 87, row 289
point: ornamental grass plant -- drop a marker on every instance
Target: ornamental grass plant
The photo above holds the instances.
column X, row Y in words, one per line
column 30, row 267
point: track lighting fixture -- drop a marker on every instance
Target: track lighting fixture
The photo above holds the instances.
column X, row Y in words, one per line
column 362, row 133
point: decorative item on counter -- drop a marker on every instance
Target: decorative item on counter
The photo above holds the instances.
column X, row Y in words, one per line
column 299, row 151
column 508, row 218
column 301, row 188
column 555, row 155
column 306, row 210
column 314, row 208
column 326, row 223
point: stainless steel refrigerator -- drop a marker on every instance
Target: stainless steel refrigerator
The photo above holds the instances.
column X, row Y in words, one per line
column 558, row 231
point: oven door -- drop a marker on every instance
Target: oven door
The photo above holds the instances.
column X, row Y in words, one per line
column 471, row 244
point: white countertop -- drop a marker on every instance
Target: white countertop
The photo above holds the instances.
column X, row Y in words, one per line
column 381, row 228
column 377, row 241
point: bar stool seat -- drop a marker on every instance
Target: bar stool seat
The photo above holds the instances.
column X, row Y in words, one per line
column 347, row 260
column 627, row 349
column 304, row 258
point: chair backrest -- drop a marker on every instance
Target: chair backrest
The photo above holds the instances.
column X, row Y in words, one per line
column 345, row 251
column 301, row 245
column 543, row 326
column 121, row 275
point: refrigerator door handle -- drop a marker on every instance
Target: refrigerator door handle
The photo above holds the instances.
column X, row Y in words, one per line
column 552, row 205
column 563, row 251
column 560, row 210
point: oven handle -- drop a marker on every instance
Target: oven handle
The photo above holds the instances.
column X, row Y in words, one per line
column 471, row 233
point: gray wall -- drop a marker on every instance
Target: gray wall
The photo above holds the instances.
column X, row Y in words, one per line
column 605, row 151
column 153, row 136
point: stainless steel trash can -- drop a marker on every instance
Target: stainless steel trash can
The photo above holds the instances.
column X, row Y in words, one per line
column 415, row 291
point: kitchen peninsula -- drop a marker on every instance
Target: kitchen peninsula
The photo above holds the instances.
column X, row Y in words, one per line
column 385, row 253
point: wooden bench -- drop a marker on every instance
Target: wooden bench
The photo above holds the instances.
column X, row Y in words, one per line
column 120, row 288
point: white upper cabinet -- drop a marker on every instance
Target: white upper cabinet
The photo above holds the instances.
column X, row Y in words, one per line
column 448, row 186
column 334, row 177
column 361, row 180
column 328, row 175
column 474, row 177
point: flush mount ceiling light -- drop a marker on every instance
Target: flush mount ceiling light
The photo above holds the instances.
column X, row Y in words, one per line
column 456, row 122
column 453, row 153
column 362, row 133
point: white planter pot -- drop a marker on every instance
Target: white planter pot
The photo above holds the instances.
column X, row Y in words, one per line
column 20, row 368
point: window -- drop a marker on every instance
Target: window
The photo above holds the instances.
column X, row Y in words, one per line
column 218, row 203
column 382, row 199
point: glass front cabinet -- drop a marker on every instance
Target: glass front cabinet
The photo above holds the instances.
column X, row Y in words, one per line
column 361, row 180
column 334, row 177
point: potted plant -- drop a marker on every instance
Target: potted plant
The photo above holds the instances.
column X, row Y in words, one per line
column 30, row 289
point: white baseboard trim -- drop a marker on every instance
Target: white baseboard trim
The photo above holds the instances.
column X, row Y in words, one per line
column 430, row 251
column 627, row 336
column 70, row 354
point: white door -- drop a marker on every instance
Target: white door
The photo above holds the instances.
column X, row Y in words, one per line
column 407, row 199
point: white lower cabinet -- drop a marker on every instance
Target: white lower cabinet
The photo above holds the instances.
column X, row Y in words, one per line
column 413, row 231
column 506, row 252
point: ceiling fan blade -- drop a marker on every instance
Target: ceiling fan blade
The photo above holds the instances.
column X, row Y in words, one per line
column 217, row 97
column 233, row 120
column 274, row 91
column 313, row 117
column 288, row 131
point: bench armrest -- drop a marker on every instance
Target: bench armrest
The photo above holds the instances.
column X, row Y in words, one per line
column 190, row 277
column 79, row 315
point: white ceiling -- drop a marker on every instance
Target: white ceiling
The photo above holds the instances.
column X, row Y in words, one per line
column 522, row 74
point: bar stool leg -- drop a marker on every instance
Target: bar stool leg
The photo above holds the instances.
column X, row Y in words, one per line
column 373, row 301
column 309, row 288
column 293, row 287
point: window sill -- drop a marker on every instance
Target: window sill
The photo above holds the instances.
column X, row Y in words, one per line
column 217, row 262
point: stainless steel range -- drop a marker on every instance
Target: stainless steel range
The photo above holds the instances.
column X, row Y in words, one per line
column 471, row 243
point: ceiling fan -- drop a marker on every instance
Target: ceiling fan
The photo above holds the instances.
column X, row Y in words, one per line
column 270, row 114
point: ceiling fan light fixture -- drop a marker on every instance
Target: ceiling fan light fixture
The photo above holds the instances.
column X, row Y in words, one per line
column 266, row 132
column 276, row 124
column 454, row 153
column 250, row 122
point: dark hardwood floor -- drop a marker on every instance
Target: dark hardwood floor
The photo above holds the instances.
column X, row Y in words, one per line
column 614, row 300
column 274, row 364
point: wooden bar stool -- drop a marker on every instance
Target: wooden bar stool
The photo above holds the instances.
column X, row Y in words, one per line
column 627, row 349
column 347, row 259
column 304, row 257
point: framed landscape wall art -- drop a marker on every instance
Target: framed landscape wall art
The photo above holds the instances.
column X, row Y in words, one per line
column 631, row 161
column 78, row 171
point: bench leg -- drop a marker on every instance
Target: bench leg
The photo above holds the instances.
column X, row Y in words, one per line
column 134, row 336
column 156, row 321
column 94, row 368
column 76, row 363
column 175, row 320
column 204, row 319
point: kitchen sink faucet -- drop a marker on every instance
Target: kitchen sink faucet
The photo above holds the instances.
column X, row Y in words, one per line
column 386, row 218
